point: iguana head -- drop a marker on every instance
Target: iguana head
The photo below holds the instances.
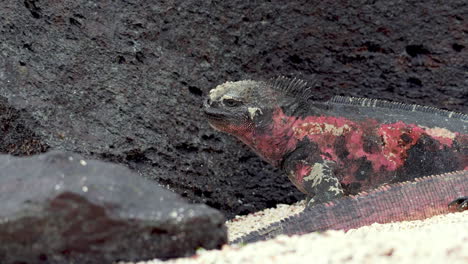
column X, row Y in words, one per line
column 252, row 111
column 239, row 107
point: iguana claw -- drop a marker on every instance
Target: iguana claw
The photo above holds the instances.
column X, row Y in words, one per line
column 460, row 204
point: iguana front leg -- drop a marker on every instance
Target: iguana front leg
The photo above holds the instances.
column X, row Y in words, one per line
column 316, row 179
column 323, row 183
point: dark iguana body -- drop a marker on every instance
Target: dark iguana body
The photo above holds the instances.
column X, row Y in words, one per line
column 343, row 146
column 422, row 198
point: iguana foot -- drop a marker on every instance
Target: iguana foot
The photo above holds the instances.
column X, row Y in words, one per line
column 460, row 204
column 322, row 197
column 329, row 190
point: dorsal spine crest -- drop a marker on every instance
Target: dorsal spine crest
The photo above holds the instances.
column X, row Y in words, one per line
column 293, row 87
column 301, row 91
column 367, row 102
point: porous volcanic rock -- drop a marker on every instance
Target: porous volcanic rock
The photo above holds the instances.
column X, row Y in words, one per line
column 60, row 208
column 124, row 80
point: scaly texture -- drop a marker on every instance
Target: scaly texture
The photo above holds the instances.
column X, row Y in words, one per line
column 342, row 146
column 420, row 199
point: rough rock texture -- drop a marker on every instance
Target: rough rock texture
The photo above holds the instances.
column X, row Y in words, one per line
column 59, row 208
column 124, row 80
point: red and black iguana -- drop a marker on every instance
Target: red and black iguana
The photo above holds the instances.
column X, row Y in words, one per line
column 344, row 146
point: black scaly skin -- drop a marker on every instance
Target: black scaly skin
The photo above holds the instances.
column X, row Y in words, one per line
column 342, row 146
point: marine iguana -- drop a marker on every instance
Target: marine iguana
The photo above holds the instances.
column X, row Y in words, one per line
column 415, row 200
column 343, row 146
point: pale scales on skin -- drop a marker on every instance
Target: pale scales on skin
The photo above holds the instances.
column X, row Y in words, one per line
column 230, row 90
column 316, row 174
column 252, row 92
column 312, row 128
column 253, row 112
column 319, row 129
column 440, row 132
column 389, row 130
column 337, row 188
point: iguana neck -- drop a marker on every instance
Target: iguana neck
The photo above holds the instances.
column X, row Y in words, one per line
column 273, row 137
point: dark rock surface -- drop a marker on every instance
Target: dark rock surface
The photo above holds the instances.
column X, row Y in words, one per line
column 60, row 208
column 124, row 80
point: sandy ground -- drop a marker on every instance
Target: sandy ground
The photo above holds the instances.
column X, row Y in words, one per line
column 440, row 239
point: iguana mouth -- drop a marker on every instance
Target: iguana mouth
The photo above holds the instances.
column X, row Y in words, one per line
column 211, row 112
column 214, row 115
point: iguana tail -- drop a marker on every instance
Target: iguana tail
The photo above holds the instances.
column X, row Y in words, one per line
column 418, row 199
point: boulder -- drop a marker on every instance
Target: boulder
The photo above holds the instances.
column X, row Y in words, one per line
column 61, row 208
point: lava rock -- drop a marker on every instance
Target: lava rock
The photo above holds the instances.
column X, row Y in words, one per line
column 60, row 208
column 124, row 81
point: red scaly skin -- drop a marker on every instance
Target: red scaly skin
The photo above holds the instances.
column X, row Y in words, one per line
column 286, row 131
column 342, row 146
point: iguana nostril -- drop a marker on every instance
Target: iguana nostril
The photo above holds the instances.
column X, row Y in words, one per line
column 207, row 102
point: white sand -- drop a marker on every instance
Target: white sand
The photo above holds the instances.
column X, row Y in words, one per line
column 242, row 225
column 440, row 239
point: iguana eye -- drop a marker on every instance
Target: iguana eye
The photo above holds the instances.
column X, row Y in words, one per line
column 231, row 102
